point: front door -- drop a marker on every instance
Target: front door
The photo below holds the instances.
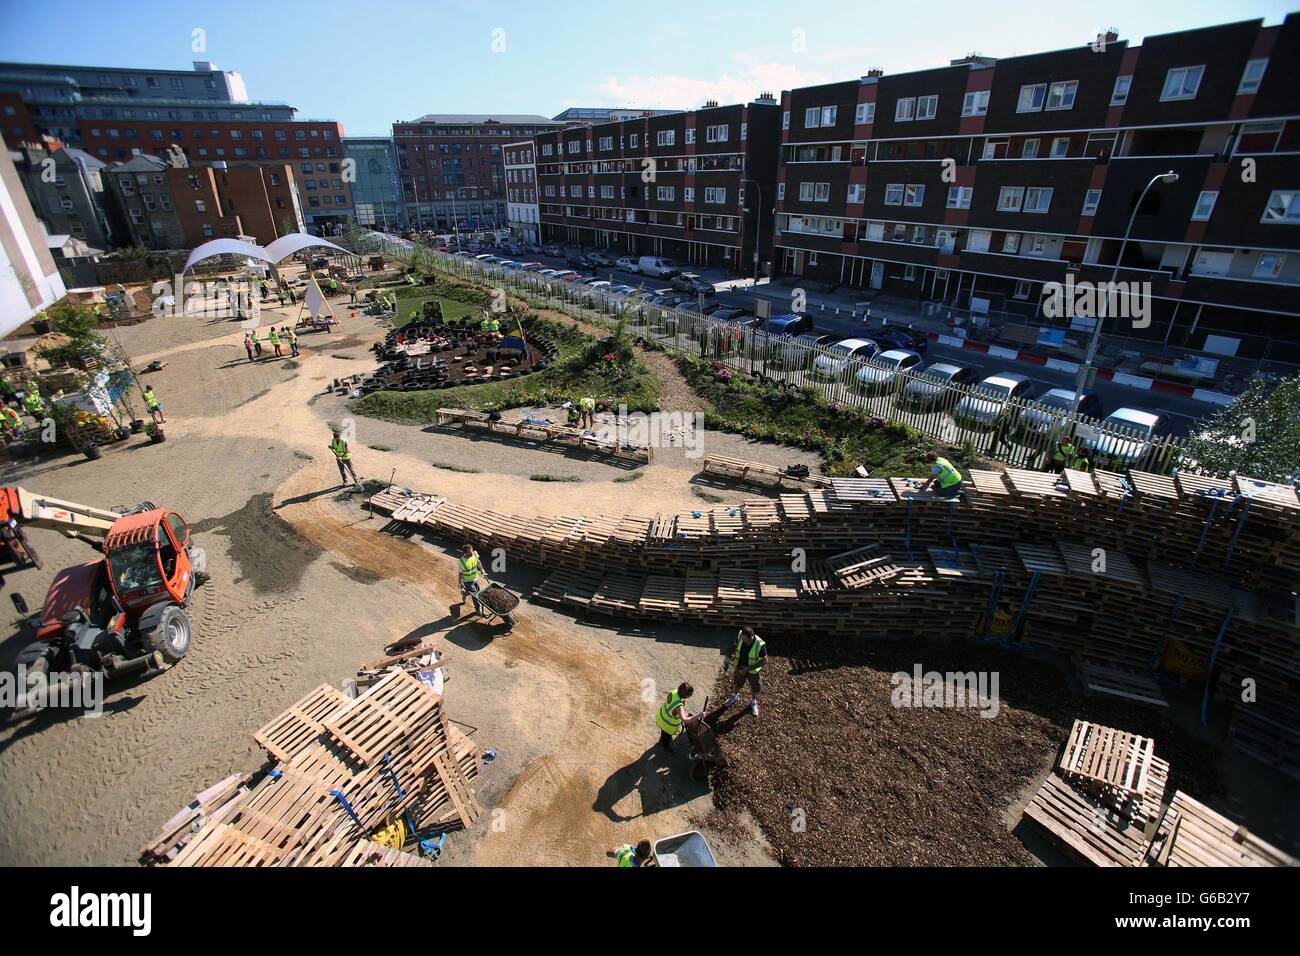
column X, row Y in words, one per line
column 877, row 275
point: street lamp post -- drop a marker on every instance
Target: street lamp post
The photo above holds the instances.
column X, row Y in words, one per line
column 1086, row 365
column 758, row 235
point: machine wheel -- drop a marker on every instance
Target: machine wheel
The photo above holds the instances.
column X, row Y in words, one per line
column 170, row 634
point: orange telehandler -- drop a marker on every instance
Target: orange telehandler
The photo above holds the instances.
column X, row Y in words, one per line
column 120, row 613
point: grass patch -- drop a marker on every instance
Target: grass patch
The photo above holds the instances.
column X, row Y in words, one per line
column 346, row 358
column 460, row 468
column 633, row 476
column 580, row 369
column 553, row 478
column 708, row 496
column 379, row 448
column 457, row 301
column 303, row 455
column 845, row 437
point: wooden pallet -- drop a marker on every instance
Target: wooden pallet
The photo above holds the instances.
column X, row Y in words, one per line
column 285, row 735
column 368, row 853
column 462, row 797
column 1191, row 834
column 1270, row 740
column 373, row 723
column 1113, row 764
column 1112, row 679
column 1085, row 827
column 863, row 567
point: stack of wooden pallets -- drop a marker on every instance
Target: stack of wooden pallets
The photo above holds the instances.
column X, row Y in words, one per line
column 615, row 446
column 1105, row 803
column 343, row 770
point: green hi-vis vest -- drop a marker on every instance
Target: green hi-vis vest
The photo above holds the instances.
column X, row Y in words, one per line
column 33, row 403
column 11, row 416
column 587, row 404
column 273, row 337
column 494, row 325
column 293, row 337
column 755, row 662
column 626, row 855
column 150, row 400
column 1062, row 452
column 484, row 325
column 340, row 449
column 669, row 717
column 948, row 475
column 469, row 568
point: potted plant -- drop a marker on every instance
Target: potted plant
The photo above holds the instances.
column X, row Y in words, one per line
column 155, row 433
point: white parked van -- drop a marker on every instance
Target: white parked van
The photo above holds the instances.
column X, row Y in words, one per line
column 657, row 267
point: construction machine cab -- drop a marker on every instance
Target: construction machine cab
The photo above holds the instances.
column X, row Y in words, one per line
column 148, row 558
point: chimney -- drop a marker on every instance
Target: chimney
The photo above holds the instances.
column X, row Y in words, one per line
column 875, row 72
column 710, row 104
column 1112, row 34
column 766, row 97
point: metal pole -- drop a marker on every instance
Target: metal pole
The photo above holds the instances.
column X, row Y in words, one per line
column 1086, row 365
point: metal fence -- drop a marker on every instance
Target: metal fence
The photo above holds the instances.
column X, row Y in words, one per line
column 1018, row 431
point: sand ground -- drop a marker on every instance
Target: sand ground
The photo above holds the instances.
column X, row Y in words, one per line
column 305, row 588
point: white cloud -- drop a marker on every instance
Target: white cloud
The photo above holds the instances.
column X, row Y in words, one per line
column 687, row 92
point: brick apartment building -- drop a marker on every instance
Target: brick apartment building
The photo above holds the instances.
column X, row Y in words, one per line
column 975, row 184
column 679, row 185
column 450, row 167
column 114, row 113
column 170, row 205
column 523, row 215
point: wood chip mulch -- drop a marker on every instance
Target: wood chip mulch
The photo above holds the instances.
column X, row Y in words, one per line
column 836, row 775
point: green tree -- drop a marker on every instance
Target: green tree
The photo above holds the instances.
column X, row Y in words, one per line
column 80, row 325
column 1257, row 436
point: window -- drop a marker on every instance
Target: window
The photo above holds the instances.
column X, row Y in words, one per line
column 607, row 142
column 1029, row 149
column 975, row 104
column 927, row 107
column 207, row 229
column 865, row 113
column 200, row 206
column 780, row 190
column 715, row 134
column 1252, row 75
column 814, row 192
column 1037, row 199
column 978, row 240
column 1282, row 206
column 690, row 135
column 1061, row 95
column 666, row 193
column 1182, row 82
column 1060, row 147
column 959, row 197
column 1031, row 98
column 1269, row 265
column 828, row 115
column 816, row 116
column 857, row 192
column 607, row 192
column 1022, row 289
column 1204, row 205
column 689, row 192
column 1038, row 245
column 913, row 195
column 1091, row 200
column 894, row 194
column 666, row 137
column 718, row 194
column 905, row 109
column 1011, row 243
column 785, row 121
column 1011, row 198
column 634, row 140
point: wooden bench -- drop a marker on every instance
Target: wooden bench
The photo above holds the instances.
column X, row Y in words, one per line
column 759, row 474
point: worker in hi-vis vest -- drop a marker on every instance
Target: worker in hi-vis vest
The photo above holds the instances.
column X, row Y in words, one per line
column 586, row 413
column 943, row 475
column 747, row 660
column 153, row 406
column 343, row 458
column 629, row 855
column 672, row 714
column 469, row 569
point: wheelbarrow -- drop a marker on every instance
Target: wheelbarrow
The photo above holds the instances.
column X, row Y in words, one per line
column 684, row 849
column 492, row 601
column 706, row 751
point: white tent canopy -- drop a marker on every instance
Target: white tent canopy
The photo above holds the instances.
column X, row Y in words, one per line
column 286, row 246
column 281, row 249
column 227, row 247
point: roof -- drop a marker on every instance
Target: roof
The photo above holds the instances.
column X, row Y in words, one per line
column 140, row 163
column 512, row 119
column 1135, row 415
column 81, row 156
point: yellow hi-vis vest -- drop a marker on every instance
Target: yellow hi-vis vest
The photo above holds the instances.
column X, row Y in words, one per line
column 669, row 717
column 469, row 568
column 273, row 337
column 587, row 404
column 948, row 475
column 150, row 401
column 340, row 449
column 626, row 855
column 754, row 662
column 11, row 416
column 484, row 325
column 33, row 403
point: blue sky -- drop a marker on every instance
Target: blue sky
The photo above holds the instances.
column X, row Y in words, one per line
column 370, row 63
